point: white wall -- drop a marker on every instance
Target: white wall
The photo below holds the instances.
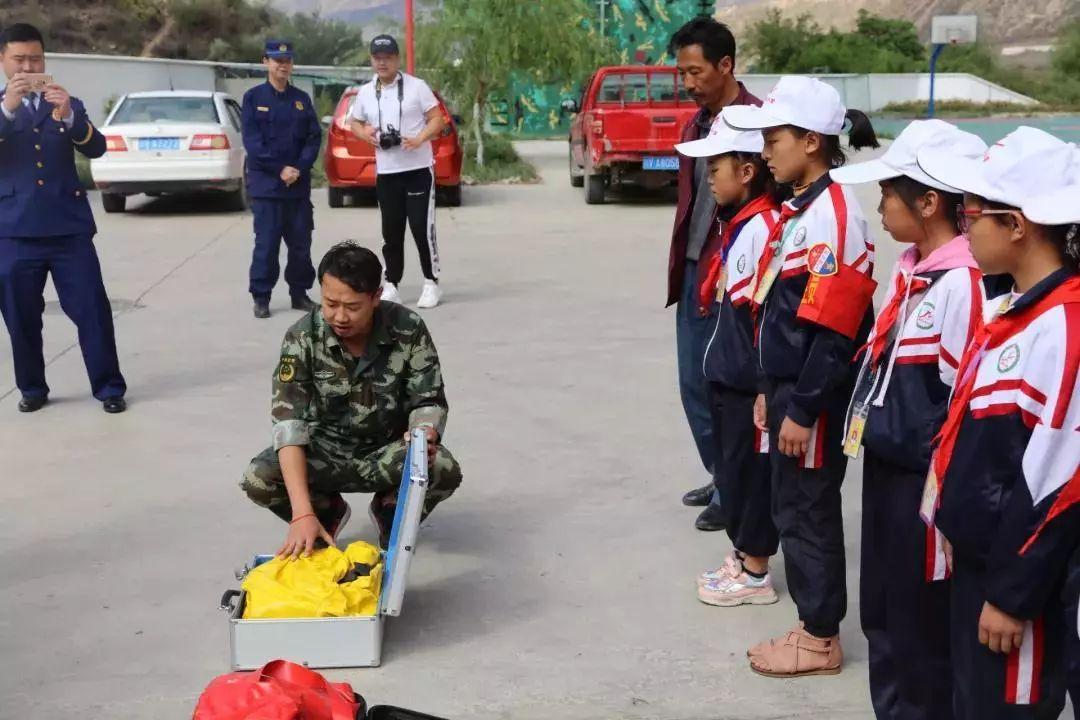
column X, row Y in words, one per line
column 98, row 78
column 873, row 92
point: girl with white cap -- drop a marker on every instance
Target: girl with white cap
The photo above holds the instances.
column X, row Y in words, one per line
column 749, row 209
column 812, row 293
column 931, row 309
column 1005, row 462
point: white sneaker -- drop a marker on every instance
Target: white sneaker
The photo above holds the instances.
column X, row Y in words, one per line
column 431, row 295
column 390, row 293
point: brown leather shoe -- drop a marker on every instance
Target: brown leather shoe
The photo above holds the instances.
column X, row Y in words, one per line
column 798, row 654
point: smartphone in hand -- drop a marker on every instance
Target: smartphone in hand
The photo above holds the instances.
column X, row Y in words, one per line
column 38, row 81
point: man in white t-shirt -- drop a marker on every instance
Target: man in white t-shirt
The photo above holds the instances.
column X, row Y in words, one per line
column 400, row 116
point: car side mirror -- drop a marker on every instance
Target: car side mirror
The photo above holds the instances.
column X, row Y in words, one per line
column 327, row 120
column 570, row 105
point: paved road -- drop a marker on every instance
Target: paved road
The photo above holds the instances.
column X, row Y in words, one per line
column 559, row 583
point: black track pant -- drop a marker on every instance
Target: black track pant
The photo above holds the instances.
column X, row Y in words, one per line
column 905, row 618
column 408, row 197
column 742, row 458
column 806, row 510
column 1072, row 633
column 1029, row 683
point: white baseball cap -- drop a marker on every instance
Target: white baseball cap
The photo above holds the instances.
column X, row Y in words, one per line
column 1024, row 165
column 797, row 100
column 1061, row 207
column 901, row 159
column 723, row 138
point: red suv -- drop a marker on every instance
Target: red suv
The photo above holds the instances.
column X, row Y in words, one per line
column 350, row 162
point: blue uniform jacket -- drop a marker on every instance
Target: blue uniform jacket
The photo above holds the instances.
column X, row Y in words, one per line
column 40, row 192
column 280, row 129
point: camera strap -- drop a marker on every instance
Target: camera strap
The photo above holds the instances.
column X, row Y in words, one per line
column 400, row 99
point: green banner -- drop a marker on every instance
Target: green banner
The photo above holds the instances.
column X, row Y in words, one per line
column 641, row 30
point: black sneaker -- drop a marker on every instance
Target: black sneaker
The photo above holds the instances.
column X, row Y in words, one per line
column 382, row 515
column 711, row 519
column 261, row 310
column 698, row 497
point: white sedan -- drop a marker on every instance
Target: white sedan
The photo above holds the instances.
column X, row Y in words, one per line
column 172, row 141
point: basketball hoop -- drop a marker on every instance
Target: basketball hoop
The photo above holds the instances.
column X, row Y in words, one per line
column 948, row 30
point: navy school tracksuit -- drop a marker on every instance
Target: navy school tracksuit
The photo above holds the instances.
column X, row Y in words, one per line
column 730, row 365
column 1002, row 469
column 1071, row 601
column 280, row 129
column 812, row 294
column 931, row 309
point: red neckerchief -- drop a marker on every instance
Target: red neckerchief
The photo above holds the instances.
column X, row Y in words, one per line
column 772, row 245
column 987, row 337
column 1069, row 496
column 885, row 321
column 760, row 204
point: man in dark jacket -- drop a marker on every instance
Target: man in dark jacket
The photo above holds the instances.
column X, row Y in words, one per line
column 705, row 52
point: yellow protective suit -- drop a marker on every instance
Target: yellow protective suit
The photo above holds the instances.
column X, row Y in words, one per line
column 309, row 587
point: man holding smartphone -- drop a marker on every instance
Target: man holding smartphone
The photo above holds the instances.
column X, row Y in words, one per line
column 46, row 225
column 400, row 116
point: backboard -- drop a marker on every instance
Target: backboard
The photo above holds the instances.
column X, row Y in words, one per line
column 953, row 29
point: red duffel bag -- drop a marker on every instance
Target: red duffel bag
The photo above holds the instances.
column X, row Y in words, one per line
column 279, row 690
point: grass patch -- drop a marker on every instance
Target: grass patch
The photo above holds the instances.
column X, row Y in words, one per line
column 502, row 164
column 965, row 108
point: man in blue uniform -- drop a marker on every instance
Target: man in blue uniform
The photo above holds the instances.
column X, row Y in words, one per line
column 282, row 137
column 46, row 225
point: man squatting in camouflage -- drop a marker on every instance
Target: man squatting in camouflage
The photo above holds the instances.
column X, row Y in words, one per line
column 355, row 377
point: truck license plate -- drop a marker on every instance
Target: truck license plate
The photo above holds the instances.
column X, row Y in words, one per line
column 660, row 163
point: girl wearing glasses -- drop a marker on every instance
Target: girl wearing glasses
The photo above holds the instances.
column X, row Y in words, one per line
column 1005, row 461
column 931, row 309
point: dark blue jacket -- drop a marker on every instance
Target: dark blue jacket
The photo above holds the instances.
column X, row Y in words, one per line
column 818, row 360
column 280, row 129
column 40, row 192
column 1015, row 453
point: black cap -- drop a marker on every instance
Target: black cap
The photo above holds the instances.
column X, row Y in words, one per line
column 384, row 45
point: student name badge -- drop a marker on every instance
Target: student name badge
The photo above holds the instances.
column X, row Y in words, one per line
column 860, row 410
column 856, row 427
column 930, row 495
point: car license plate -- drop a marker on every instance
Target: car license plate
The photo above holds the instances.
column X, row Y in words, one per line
column 660, row 163
column 162, row 143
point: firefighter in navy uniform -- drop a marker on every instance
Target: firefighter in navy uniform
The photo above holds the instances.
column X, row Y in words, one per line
column 47, row 227
column 282, row 136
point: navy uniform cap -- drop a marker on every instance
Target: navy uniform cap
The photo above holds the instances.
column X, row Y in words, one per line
column 278, row 49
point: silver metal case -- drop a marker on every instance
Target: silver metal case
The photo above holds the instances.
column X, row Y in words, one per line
column 343, row 641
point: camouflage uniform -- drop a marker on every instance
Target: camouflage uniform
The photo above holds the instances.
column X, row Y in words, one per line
column 351, row 414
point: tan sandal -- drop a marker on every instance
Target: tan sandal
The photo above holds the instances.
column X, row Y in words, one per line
column 797, row 654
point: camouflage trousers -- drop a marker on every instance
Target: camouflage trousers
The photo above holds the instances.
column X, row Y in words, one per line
column 377, row 471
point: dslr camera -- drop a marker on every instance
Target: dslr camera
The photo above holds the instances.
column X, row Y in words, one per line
column 389, row 138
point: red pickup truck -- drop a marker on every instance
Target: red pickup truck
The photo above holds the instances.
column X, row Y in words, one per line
column 627, row 123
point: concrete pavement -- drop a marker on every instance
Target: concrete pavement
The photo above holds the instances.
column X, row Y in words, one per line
column 557, row 583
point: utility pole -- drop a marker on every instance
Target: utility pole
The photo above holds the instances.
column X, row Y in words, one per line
column 603, row 14
column 410, row 44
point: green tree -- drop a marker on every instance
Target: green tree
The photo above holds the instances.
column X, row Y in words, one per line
column 777, row 42
column 897, row 36
column 471, row 48
column 1066, row 61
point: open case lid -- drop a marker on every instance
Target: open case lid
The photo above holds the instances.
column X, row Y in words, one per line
column 403, row 536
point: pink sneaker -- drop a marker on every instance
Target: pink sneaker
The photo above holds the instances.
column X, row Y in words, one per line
column 738, row 590
column 731, row 567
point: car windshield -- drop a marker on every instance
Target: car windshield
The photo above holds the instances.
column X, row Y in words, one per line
column 166, row 110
